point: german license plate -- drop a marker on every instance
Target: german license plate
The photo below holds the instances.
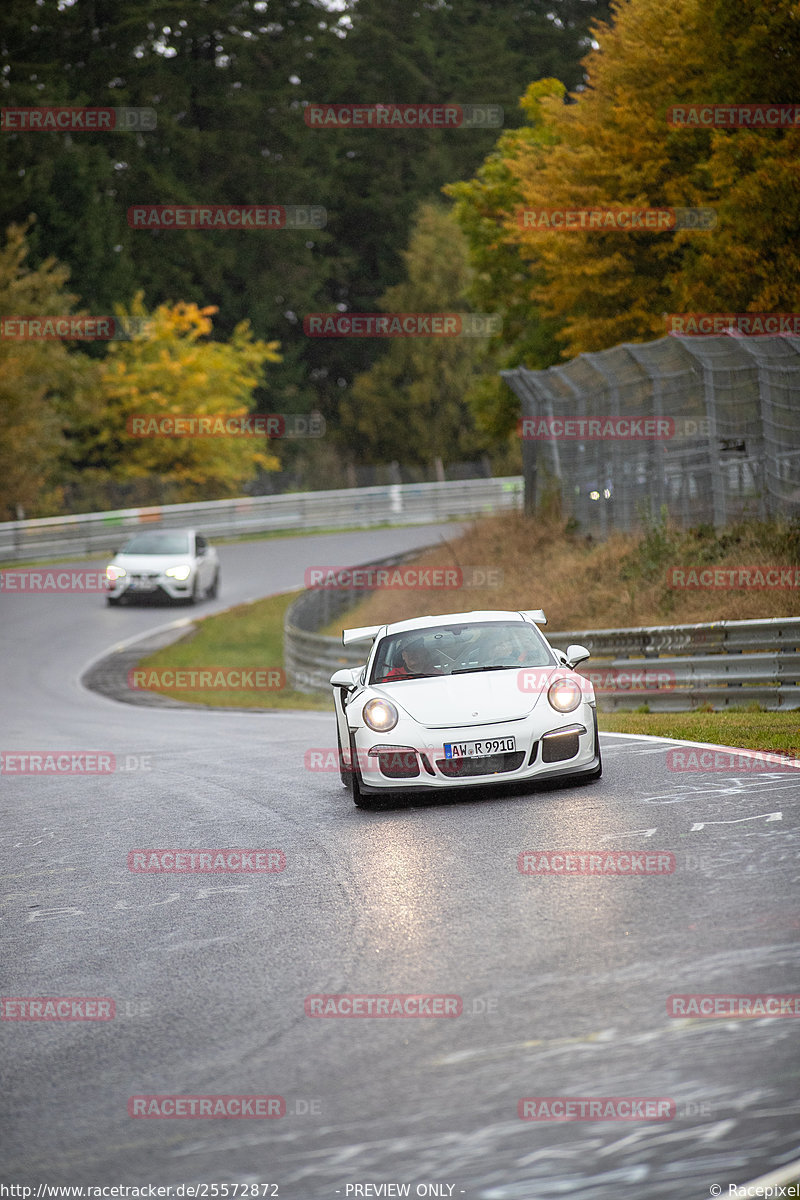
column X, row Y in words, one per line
column 479, row 749
column 143, row 585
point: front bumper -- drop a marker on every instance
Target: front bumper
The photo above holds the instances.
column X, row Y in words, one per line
column 543, row 750
column 143, row 584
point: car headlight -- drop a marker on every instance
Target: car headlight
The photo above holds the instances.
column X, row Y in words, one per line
column 113, row 573
column 564, row 695
column 182, row 572
column 380, row 715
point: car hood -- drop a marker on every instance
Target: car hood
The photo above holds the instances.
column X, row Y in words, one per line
column 471, row 699
column 151, row 562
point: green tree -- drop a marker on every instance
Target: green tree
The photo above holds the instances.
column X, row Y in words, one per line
column 411, row 403
column 228, row 81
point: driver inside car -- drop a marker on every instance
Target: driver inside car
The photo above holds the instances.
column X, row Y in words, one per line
column 417, row 660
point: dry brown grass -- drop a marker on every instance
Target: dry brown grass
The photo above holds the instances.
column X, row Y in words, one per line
column 585, row 584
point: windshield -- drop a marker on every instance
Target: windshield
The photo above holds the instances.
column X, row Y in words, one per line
column 460, row 649
column 169, row 542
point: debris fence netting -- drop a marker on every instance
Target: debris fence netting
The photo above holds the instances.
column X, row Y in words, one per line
column 722, row 443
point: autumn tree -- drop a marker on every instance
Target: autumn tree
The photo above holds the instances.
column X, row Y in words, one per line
column 610, row 146
column 45, row 387
column 503, row 275
column 170, row 367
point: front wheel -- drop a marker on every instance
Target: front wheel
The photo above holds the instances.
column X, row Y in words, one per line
column 359, row 799
column 213, row 591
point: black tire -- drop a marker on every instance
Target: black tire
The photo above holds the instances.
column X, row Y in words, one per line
column 113, row 601
column 213, row 591
column 195, row 596
column 359, row 799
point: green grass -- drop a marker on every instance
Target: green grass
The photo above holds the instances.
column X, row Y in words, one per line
column 249, row 635
column 779, row 731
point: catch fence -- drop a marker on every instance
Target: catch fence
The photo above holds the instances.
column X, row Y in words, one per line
column 728, row 445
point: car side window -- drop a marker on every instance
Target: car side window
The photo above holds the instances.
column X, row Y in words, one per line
column 202, row 544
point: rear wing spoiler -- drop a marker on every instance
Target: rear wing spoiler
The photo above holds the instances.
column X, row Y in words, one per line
column 365, row 634
column 535, row 614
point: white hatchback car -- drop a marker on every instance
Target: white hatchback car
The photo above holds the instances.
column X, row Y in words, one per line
column 178, row 564
column 462, row 700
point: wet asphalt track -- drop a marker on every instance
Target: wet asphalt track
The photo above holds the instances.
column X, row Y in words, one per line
column 564, row 980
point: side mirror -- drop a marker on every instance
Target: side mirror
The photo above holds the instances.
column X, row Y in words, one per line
column 348, row 677
column 577, row 654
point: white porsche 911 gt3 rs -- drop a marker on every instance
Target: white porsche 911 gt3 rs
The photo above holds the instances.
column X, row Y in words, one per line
column 462, row 700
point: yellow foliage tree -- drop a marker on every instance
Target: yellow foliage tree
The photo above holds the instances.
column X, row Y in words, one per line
column 170, row 368
column 610, row 147
column 44, row 387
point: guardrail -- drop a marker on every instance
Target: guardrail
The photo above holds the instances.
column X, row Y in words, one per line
column 672, row 668
column 393, row 504
column 310, row 658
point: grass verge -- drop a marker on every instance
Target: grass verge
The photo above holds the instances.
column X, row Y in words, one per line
column 251, row 635
column 776, row 731
column 248, row 636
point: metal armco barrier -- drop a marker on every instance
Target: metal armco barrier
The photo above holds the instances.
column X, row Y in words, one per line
column 309, row 657
column 672, row 668
column 394, row 504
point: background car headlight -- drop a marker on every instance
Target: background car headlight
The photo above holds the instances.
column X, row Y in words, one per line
column 182, row 572
column 113, row 572
column 380, row 715
column 564, row 695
